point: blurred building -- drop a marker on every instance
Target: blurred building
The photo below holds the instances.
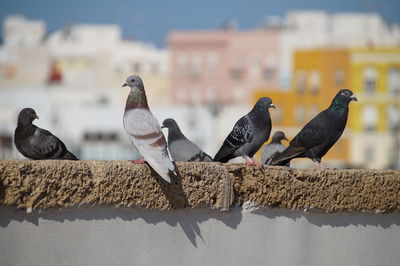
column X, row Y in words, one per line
column 227, row 65
column 72, row 77
column 222, row 66
column 373, row 74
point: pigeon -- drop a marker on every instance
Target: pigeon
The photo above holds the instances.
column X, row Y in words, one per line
column 180, row 148
column 145, row 132
column 321, row 133
column 271, row 150
column 36, row 143
column 248, row 134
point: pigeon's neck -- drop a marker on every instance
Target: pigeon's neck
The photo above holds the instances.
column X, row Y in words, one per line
column 136, row 100
column 175, row 133
column 338, row 107
column 24, row 124
column 276, row 140
column 260, row 115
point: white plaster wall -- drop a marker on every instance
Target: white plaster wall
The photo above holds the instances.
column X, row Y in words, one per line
column 109, row 236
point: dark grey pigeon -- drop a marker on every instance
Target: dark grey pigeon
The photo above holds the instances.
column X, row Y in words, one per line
column 271, row 150
column 248, row 134
column 36, row 143
column 321, row 133
column 180, row 148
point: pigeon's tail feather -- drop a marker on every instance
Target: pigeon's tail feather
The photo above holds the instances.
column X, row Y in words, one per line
column 287, row 155
column 69, row 156
column 162, row 164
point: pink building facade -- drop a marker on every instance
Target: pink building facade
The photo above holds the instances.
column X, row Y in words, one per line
column 223, row 66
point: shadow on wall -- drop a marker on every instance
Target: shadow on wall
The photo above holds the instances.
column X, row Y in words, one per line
column 333, row 219
column 187, row 219
column 190, row 219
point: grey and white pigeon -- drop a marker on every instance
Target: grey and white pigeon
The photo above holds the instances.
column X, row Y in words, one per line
column 248, row 134
column 181, row 148
column 144, row 130
column 321, row 133
column 36, row 143
column 271, row 150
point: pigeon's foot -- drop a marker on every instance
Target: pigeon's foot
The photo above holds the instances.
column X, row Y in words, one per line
column 140, row 161
column 251, row 162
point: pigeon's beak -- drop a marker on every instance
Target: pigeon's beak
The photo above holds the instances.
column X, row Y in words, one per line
column 36, row 116
column 271, row 106
column 124, row 85
column 162, row 126
column 353, row 98
column 285, row 138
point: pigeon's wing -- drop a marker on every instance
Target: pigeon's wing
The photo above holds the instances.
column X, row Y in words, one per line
column 242, row 133
column 46, row 146
column 270, row 152
column 311, row 135
column 145, row 133
column 184, row 150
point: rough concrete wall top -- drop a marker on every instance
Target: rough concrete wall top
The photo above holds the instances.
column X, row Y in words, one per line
column 60, row 184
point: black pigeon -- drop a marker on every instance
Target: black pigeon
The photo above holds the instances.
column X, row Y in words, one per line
column 272, row 150
column 321, row 133
column 248, row 134
column 180, row 148
column 36, row 143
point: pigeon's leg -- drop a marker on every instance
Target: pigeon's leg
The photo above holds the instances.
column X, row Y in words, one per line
column 140, row 161
column 247, row 161
column 256, row 163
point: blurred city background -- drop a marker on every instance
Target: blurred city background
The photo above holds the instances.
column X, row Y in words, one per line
column 203, row 69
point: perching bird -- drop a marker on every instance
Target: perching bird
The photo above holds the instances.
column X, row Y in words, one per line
column 37, row 143
column 144, row 130
column 271, row 150
column 248, row 134
column 180, row 148
column 319, row 135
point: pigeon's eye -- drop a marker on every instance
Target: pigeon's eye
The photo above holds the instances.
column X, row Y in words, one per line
column 346, row 93
column 133, row 81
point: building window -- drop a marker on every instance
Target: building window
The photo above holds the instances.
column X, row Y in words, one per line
column 393, row 116
column 314, row 81
column 369, row 154
column 370, row 77
column 270, row 67
column 394, row 81
column 182, row 60
column 212, row 61
column 237, row 72
column 100, row 136
column 339, row 78
column 301, row 81
column 300, row 114
column 370, row 118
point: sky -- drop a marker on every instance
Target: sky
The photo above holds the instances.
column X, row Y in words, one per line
column 150, row 20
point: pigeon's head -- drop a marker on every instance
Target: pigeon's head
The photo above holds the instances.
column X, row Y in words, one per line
column 133, row 82
column 345, row 96
column 278, row 137
column 26, row 116
column 170, row 124
column 264, row 102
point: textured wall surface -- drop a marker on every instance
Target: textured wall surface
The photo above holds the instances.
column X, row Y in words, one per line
column 58, row 184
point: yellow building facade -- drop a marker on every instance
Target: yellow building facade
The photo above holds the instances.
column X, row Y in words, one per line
column 372, row 74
